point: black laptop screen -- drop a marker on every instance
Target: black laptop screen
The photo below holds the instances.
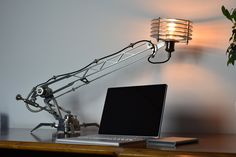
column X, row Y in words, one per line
column 135, row 110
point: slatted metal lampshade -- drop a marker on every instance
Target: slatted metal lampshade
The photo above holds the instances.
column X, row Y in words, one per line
column 177, row 30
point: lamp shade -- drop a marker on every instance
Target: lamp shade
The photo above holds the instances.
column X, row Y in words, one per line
column 177, row 30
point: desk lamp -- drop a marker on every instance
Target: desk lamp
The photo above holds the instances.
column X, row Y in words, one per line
column 170, row 31
column 166, row 31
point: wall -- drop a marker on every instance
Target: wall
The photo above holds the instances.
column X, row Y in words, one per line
column 39, row 39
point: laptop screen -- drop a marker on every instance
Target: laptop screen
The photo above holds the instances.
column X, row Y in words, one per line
column 134, row 110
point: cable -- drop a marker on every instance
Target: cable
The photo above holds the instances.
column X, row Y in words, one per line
column 151, row 56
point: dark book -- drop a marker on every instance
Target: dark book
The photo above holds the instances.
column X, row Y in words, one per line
column 170, row 141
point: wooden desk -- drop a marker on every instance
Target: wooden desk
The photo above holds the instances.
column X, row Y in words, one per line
column 19, row 142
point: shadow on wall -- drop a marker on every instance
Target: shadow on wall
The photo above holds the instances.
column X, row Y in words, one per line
column 192, row 121
column 194, row 53
column 4, row 123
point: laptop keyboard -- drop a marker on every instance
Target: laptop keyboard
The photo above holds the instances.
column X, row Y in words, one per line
column 112, row 138
column 105, row 140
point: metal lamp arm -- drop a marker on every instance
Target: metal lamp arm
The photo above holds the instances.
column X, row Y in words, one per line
column 57, row 78
column 97, row 69
column 86, row 71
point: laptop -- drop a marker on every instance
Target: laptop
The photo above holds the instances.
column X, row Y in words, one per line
column 130, row 115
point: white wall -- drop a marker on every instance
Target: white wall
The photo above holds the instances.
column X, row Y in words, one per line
column 41, row 38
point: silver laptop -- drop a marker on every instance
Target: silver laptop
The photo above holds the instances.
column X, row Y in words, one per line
column 130, row 115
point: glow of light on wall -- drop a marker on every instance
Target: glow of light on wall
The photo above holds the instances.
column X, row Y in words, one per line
column 200, row 84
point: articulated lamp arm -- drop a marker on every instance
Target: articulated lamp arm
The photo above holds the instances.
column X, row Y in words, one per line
column 95, row 70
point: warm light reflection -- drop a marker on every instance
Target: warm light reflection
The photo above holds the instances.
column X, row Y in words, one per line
column 211, row 30
column 195, row 82
column 211, row 35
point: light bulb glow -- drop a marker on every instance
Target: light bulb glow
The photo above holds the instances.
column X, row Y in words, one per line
column 171, row 30
column 171, row 27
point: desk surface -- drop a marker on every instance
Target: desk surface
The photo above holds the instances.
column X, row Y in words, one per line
column 44, row 141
